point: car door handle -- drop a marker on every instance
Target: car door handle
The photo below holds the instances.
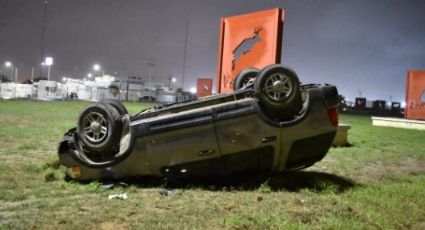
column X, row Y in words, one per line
column 205, row 152
column 268, row 139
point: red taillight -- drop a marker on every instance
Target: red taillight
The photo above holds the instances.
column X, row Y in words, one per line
column 333, row 116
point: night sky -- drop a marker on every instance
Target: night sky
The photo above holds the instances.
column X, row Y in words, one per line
column 361, row 46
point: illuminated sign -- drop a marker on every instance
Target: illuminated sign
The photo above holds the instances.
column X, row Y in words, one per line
column 415, row 95
column 248, row 41
column 203, row 87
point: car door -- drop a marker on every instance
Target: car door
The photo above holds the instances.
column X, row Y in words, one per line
column 248, row 144
column 183, row 145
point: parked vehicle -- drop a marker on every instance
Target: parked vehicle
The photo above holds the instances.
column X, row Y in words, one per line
column 269, row 124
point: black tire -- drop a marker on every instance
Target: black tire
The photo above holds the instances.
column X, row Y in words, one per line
column 99, row 128
column 117, row 105
column 278, row 89
column 244, row 76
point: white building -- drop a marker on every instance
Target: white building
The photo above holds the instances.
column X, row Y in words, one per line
column 8, row 90
column 134, row 91
column 24, row 90
column 165, row 95
column 101, row 88
column 48, row 90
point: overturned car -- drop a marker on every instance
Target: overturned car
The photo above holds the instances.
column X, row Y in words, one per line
column 270, row 123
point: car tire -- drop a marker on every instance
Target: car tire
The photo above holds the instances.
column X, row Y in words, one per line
column 99, row 128
column 243, row 77
column 117, row 105
column 278, row 89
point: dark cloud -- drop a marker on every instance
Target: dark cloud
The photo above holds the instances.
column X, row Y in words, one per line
column 358, row 45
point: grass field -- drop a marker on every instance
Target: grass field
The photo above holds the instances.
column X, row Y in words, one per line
column 379, row 183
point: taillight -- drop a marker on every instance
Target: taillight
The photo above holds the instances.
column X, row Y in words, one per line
column 333, row 116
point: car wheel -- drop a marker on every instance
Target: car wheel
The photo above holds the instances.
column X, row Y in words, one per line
column 278, row 89
column 243, row 77
column 117, row 105
column 99, row 128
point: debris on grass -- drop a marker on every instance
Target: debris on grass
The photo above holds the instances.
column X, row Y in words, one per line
column 122, row 196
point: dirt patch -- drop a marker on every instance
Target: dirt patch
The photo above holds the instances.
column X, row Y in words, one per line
column 20, row 121
column 112, row 226
column 6, row 118
column 4, row 145
column 379, row 170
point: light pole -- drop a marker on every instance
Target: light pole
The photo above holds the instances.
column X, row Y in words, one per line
column 49, row 62
column 96, row 68
column 172, row 80
column 9, row 64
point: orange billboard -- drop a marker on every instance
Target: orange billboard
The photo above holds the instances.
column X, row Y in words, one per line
column 415, row 95
column 248, row 41
column 203, row 87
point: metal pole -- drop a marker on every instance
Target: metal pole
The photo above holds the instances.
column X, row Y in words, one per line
column 16, row 75
column 12, row 72
column 185, row 52
column 119, row 90
column 171, row 80
column 43, row 28
column 150, row 85
column 126, row 96
column 32, row 74
column 48, row 72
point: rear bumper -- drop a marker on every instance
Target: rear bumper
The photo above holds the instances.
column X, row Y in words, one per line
column 307, row 151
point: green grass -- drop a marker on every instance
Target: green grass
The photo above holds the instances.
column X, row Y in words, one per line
column 379, row 183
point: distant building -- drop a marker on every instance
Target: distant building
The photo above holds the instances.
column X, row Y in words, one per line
column 105, row 87
column 24, row 90
column 8, row 90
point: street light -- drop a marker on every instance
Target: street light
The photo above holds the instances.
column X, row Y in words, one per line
column 49, row 62
column 9, row 64
column 171, row 81
column 89, row 75
column 96, row 68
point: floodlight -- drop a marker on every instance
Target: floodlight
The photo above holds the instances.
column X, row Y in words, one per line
column 96, row 67
column 48, row 61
